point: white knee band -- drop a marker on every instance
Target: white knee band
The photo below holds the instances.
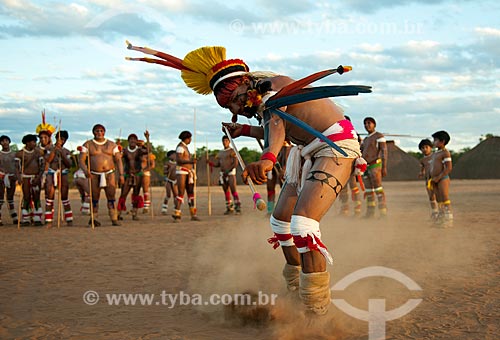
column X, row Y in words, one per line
column 307, row 236
column 281, row 228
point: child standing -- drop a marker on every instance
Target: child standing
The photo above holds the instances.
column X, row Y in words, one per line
column 426, row 147
column 440, row 180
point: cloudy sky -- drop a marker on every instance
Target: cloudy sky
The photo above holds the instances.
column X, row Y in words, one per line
column 432, row 64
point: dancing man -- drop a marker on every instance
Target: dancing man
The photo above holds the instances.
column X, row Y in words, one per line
column 306, row 196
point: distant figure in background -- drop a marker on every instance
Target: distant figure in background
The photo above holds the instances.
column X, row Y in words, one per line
column 425, row 147
column 29, row 171
column 131, row 157
column 441, row 167
column 104, row 154
column 374, row 149
column 7, row 177
column 57, row 164
column 185, row 177
column 227, row 161
column 45, row 131
column 169, row 172
column 147, row 164
column 352, row 185
column 82, row 184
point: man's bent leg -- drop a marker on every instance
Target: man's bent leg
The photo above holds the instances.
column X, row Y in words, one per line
column 280, row 224
column 323, row 185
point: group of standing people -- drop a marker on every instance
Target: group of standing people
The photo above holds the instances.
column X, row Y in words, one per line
column 36, row 167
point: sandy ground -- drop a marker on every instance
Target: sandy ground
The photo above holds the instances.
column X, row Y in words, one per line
column 45, row 272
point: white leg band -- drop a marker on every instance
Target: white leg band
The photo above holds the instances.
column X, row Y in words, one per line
column 282, row 228
column 307, row 236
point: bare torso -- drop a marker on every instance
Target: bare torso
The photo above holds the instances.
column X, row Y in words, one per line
column 437, row 162
column 370, row 147
column 65, row 153
column 30, row 160
column 426, row 162
column 7, row 164
column 169, row 170
column 227, row 159
column 182, row 153
column 101, row 155
column 132, row 160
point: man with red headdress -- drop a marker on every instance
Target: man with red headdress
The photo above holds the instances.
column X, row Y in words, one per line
column 45, row 131
column 309, row 191
column 103, row 154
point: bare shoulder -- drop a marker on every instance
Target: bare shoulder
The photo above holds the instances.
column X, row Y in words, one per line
column 279, row 82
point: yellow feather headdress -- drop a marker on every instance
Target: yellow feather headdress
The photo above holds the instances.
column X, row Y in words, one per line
column 202, row 69
column 44, row 126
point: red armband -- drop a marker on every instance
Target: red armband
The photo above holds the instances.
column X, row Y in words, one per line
column 269, row 156
column 245, row 130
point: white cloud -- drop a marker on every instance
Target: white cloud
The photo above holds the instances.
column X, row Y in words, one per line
column 487, row 31
column 371, row 47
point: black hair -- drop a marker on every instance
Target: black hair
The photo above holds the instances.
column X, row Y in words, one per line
column 185, row 135
column 442, row 136
column 29, row 138
column 424, row 142
column 2, row 137
column 62, row 134
column 370, row 119
column 170, row 153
